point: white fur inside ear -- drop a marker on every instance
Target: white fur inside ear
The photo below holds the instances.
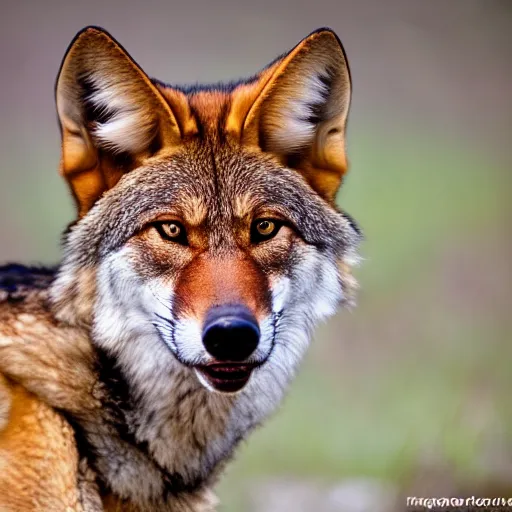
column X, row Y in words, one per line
column 130, row 127
column 290, row 117
column 126, row 132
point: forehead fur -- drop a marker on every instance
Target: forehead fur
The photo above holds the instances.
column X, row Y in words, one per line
column 211, row 183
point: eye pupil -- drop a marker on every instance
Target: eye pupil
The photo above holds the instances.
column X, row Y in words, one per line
column 172, row 231
column 265, row 227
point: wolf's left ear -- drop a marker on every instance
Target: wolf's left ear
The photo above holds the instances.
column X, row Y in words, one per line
column 112, row 117
column 299, row 111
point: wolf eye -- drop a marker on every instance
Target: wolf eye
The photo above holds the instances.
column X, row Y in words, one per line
column 264, row 229
column 172, row 231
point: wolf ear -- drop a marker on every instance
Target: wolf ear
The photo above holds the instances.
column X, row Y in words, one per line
column 111, row 116
column 300, row 111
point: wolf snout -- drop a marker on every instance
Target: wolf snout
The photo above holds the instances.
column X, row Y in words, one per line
column 230, row 333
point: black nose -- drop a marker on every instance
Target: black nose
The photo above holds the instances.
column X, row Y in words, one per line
column 230, row 333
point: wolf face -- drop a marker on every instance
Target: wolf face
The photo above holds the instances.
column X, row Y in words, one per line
column 207, row 243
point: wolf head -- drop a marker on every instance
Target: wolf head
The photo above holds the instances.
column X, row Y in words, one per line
column 207, row 241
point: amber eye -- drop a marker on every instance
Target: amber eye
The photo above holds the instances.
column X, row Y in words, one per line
column 172, row 231
column 264, row 229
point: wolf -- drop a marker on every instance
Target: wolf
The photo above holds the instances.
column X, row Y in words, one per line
column 207, row 245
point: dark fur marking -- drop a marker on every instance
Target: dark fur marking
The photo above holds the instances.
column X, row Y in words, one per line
column 221, row 122
column 17, row 279
column 85, row 448
column 191, row 89
column 293, row 160
column 120, row 159
column 93, row 113
column 119, row 404
column 317, row 110
column 156, row 144
column 96, row 114
column 275, row 323
column 197, row 119
column 352, row 222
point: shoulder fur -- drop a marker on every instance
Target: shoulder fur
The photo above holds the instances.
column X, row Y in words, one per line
column 36, row 351
column 38, row 455
column 43, row 369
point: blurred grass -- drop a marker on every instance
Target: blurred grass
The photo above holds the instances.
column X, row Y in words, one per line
column 413, row 396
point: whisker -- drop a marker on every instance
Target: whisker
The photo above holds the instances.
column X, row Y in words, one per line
column 165, row 319
column 163, row 327
column 158, row 298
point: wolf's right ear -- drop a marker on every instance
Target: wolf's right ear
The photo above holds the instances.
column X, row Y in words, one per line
column 111, row 116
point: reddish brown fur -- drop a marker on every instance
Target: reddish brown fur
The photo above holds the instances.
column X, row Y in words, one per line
column 39, row 459
column 203, row 285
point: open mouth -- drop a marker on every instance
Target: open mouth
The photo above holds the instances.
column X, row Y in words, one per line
column 226, row 377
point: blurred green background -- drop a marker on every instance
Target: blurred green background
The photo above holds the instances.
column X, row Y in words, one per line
column 410, row 392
